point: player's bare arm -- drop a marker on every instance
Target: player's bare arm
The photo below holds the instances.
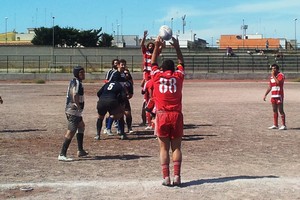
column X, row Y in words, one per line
column 176, row 46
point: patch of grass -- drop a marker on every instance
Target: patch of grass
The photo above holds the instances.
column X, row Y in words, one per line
column 37, row 81
column 296, row 80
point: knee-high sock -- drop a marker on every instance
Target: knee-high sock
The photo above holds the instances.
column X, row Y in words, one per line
column 99, row 125
column 129, row 121
column 65, row 146
column 109, row 122
column 177, row 167
column 79, row 137
column 275, row 116
column 121, row 126
column 283, row 119
column 165, row 170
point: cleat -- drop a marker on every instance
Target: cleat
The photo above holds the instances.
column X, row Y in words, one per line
column 64, row 158
column 108, row 132
column 177, row 181
column 273, row 127
column 283, row 127
column 130, row 131
column 124, row 137
column 97, row 137
column 115, row 124
column 148, row 128
column 105, row 131
column 82, row 153
column 166, row 181
column 142, row 124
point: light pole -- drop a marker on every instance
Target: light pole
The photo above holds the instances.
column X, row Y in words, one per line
column 212, row 42
column 295, row 34
column 6, row 30
column 172, row 23
column 53, row 44
column 53, row 32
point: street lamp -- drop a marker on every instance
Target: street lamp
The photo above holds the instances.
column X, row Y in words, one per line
column 6, row 30
column 53, row 44
column 53, row 31
column 172, row 23
column 295, row 34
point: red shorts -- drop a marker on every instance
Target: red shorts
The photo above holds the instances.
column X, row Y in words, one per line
column 277, row 101
column 169, row 124
column 147, row 75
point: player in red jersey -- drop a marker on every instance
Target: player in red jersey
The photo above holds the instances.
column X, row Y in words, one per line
column 277, row 94
column 147, row 51
column 167, row 92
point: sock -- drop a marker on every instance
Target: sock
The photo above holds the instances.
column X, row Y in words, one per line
column 121, row 126
column 149, row 118
column 165, row 170
column 99, row 125
column 79, row 137
column 129, row 121
column 109, row 122
column 275, row 119
column 65, row 147
column 283, row 119
column 177, row 166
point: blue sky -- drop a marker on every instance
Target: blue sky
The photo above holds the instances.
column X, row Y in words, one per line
column 208, row 19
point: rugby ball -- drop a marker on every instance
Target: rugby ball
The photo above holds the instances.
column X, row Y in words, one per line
column 165, row 32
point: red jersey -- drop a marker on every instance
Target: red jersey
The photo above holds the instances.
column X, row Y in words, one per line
column 167, row 88
column 277, row 89
column 147, row 90
column 146, row 59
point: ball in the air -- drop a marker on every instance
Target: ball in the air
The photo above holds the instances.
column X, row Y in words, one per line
column 165, row 32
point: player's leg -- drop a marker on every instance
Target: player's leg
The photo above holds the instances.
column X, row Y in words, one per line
column 275, row 116
column 164, row 148
column 72, row 128
column 80, row 134
column 282, row 114
column 177, row 159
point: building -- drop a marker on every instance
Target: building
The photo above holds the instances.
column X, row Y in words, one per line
column 14, row 38
column 251, row 42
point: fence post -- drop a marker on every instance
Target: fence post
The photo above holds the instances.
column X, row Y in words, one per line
column 23, row 64
column 238, row 64
column 7, row 64
column 223, row 63
column 207, row 64
column 39, row 64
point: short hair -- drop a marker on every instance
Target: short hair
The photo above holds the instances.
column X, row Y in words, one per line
column 122, row 61
column 113, row 61
column 149, row 44
column 275, row 65
column 168, row 65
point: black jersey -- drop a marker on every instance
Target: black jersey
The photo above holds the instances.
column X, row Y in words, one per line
column 112, row 90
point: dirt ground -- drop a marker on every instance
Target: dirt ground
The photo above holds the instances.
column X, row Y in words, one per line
column 228, row 152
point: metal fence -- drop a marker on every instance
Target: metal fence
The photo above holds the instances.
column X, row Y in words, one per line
column 194, row 63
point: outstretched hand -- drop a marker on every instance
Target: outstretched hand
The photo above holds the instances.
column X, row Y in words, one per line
column 175, row 43
column 145, row 33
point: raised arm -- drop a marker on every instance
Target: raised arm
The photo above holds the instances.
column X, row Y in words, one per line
column 176, row 46
column 144, row 39
column 157, row 49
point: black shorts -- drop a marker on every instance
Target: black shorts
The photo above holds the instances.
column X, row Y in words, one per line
column 109, row 105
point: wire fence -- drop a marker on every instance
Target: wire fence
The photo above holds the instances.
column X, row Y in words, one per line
column 194, row 63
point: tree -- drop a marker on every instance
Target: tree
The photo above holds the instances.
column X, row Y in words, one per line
column 106, row 40
column 71, row 37
column 89, row 38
